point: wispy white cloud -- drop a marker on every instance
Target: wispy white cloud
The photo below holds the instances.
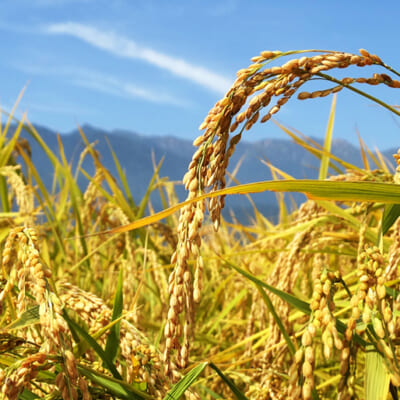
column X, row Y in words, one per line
column 127, row 48
column 54, row 3
column 34, row 109
column 63, row 108
column 104, row 83
column 111, row 85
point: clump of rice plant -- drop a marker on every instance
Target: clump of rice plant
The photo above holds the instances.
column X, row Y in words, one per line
column 253, row 90
column 99, row 301
column 70, row 303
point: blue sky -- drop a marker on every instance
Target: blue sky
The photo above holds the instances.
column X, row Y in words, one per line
column 157, row 67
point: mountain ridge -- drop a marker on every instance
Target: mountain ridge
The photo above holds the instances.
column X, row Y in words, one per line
column 134, row 152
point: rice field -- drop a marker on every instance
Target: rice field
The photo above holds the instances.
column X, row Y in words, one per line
column 102, row 298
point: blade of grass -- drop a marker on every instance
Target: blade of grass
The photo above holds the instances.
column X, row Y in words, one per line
column 145, row 200
column 239, row 395
column 382, row 163
column 280, row 198
column 389, row 217
column 227, row 309
column 93, row 344
column 178, row 390
column 83, row 346
column 278, row 321
column 333, row 209
column 260, row 218
column 314, row 394
column 323, row 171
column 290, row 299
column 27, row 318
column 112, row 344
column 75, row 195
column 46, row 203
column 118, row 388
column 28, row 395
column 363, row 146
column 377, row 377
column 211, row 393
column 6, row 150
column 122, row 176
column 373, row 157
column 11, row 117
column 317, row 152
column 118, row 195
column 318, row 190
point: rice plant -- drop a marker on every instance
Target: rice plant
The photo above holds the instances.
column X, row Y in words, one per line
column 100, row 301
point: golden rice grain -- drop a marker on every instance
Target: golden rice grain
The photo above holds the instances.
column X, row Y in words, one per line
column 255, row 86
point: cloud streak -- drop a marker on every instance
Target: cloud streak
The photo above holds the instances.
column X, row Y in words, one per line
column 104, row 83
column 127, row 48
column 111, row 85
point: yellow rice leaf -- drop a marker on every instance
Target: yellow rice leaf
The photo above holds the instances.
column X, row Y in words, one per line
column 377, row 377
column 363, row 146
column 318, row 190
column 323, row 171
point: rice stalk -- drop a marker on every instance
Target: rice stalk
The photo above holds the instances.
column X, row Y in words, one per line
column 254, row 89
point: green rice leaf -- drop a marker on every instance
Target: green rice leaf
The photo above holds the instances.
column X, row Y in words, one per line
column 10, row 117
column 5, row 153
column 121, row 175
column 292, row 300
column 180, row 388
column 74, row 192
column 314, row 394
column 118, row 388
column 27, row 318
column 145, row 201
column 289, row 298
column 93, row 344
column 239, row 395
column 278, row 321
column 8, row 148
column 390, row 215
column 227, row 309
column 28, row 395
column 83, row 346
column 211, row 393
column 118, row 195
column 112, row 344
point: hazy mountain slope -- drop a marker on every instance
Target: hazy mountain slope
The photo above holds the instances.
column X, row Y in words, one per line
column 135, row 151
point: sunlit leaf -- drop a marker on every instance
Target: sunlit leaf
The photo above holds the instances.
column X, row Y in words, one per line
column 112, row 344
column 27, row 318
column 28, row 395
column 93, row 344
column 377, row 376
column 178, row 390
column 278, row 321
column 318, row 190
column 390, row 215
column 118, row 388
column 323, row 170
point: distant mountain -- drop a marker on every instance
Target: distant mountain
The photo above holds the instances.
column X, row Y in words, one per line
column 134, row 152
